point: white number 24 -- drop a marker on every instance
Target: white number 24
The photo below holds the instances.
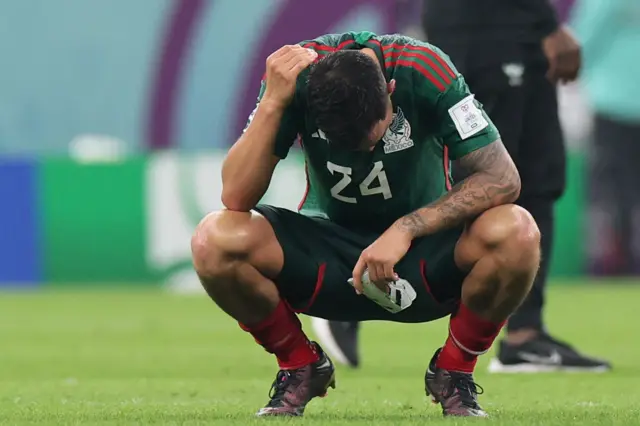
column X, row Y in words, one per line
column 365, row 187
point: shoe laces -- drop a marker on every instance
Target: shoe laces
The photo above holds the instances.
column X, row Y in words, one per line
column 467, row 388
column 283, row 380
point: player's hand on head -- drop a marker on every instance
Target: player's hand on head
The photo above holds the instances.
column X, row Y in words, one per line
column 283, row 67
column 380, row 259
column 563, row 54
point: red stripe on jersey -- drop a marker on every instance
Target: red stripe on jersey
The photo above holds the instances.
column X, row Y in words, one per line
column 306, row 175
column 319, row 46
column 445, row 156
column 425, row 50
column 344, row 44
column 422, row 70
column 306, row 189
column 421, row 56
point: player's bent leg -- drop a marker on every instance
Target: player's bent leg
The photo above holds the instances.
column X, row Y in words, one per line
column 501, row 252
column 237, row 255
column 233, row 254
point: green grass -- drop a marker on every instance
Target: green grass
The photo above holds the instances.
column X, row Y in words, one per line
column 150, row 358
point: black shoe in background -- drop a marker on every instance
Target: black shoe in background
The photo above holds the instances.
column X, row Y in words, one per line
column 340, row 340
column 544, row 354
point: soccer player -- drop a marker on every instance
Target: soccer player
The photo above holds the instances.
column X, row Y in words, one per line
column 526, row 50
column 379, row 117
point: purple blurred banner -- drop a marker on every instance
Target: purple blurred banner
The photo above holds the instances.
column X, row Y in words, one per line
column 179, row 34
column 293, row 21
column 564, row 8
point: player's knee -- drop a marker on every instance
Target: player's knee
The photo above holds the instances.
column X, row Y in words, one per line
column 512, row 232
column 219, row 239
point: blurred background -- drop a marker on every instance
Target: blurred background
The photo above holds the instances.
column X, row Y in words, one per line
column 115, row 117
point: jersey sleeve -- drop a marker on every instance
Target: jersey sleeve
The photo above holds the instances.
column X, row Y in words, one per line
column 288, row 130
column 462, row 123
column 455, row 116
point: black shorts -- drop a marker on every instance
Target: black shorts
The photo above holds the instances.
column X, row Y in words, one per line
column 319, row 257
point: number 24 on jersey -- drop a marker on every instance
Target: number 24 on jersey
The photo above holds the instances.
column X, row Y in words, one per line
column 366, row 186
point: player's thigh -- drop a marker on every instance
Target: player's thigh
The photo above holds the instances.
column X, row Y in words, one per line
column 430, row 268
column 319, row 257
column 542, row 159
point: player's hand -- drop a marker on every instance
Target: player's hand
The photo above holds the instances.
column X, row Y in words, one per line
column 563, row 53
column 381, row 257
column 283, row 67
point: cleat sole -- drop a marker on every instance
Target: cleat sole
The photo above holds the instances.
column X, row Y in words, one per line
column 332, row 385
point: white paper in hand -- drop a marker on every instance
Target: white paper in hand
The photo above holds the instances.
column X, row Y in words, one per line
column 399, row 297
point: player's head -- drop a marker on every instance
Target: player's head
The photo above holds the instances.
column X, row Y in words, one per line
column 350, row 99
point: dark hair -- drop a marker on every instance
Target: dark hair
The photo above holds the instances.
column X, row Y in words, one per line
column 347, row 96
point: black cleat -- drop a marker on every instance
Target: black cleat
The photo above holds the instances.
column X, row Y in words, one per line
column 340, row 340
column 293, row 389
column 544, row 354
column 456, row 392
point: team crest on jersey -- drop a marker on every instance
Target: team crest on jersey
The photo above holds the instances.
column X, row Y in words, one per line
column 398, row 135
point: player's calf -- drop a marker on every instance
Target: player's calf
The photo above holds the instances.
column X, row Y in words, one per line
column 235, row 254
column 501, row 251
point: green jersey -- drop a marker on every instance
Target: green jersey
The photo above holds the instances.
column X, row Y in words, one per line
column 436, row 119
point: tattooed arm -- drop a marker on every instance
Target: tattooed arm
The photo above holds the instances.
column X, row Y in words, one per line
column 492, row 180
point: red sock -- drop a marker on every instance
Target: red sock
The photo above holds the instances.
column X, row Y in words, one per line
column 469, row 337
column 281, row 334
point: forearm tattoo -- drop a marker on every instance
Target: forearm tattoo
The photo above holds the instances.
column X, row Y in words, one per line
column 492, row 180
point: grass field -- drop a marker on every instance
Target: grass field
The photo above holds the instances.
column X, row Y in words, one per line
column 150, row 358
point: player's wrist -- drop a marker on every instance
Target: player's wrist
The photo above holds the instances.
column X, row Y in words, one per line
column 268, row 113
column 273, row 105
column 406, row 228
